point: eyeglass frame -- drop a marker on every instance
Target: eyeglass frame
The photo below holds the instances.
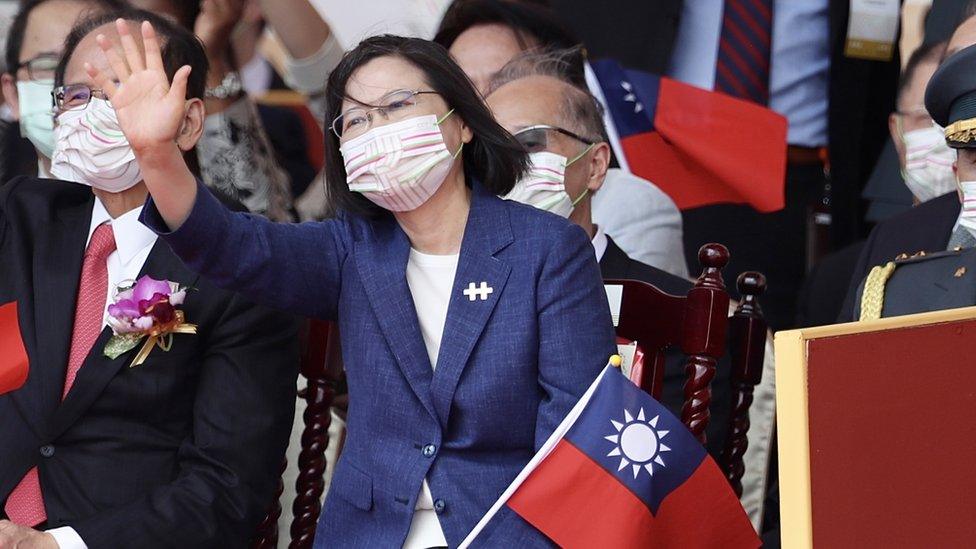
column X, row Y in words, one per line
column 27, row 64
column 60, row 89
column 557, row 129
column 370, row 109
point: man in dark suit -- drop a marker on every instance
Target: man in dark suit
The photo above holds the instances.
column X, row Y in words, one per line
column 935, row 225
column 182, row 450
column 533, row 98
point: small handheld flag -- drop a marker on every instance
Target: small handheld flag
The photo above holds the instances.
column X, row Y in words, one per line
column 622, row 471
column 700, row 147
column 13, row 356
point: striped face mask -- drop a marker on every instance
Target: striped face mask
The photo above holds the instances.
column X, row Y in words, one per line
column 543, row 184
column 399, row 166
column 91, row 149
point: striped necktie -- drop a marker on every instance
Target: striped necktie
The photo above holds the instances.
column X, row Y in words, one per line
column 742, row 67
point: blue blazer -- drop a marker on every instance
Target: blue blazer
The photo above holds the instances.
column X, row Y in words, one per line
column 509, row 368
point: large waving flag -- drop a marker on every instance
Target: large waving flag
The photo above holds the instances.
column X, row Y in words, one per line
column 13, row 356
column 700, row 147
column 622, row 471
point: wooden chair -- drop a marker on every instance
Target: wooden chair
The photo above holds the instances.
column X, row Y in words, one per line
column 696, row 323
column 322, row 368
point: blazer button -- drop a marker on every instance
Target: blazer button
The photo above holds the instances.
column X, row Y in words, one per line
column 47, row 451
column 429, row 450
column 439, row 506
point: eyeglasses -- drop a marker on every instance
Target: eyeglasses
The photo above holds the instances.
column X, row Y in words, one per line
column 536, row 138
column 41, row 67
column 396, row 105
column 75, row 96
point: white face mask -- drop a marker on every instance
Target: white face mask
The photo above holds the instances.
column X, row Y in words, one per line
column 401, row 165
column 37, row 114
column 543, row 185
column 928, row 163
column 91, row 149
column 967, row 215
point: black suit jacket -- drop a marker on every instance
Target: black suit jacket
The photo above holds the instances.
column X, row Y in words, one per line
column 862, row 95
column 615, row 264
column 926, row 227
column 182, row 451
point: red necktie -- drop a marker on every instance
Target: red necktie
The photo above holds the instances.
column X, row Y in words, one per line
column 742, row 68
column 25, row 506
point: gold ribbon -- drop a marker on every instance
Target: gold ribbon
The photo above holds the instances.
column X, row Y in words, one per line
column 872, row 299
column 162, row 337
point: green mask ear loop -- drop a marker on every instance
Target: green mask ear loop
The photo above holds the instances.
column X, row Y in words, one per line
column 443, row 118
column 585, row 192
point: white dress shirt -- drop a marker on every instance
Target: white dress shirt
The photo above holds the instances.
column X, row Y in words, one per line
column 799, row 65
column 642, row 220
column 430, row 279
column 599, row 242
column 133, row 242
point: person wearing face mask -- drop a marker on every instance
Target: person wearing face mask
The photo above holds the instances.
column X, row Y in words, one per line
column 925, row 159
column 460, row 313
column 932, row 226
column 33, row 48
column 920, row 282
column 97, row 450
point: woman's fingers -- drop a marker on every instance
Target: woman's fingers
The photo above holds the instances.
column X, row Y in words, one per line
column 118, row 64
column 154, row 57
column 101, row 80
column 178, row 89
column 132, row 55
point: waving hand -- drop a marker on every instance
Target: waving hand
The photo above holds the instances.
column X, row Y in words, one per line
column 150, row 108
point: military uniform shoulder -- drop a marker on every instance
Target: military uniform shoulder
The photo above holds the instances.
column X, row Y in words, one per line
column 921, row 256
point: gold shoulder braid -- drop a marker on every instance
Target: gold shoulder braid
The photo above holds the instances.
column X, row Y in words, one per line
column 872, row 300
column 962, row 131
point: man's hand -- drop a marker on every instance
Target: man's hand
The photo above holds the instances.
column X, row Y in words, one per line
column 215, row 24
column 14, row 536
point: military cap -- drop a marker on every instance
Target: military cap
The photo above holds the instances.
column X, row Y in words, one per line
column 950, row 98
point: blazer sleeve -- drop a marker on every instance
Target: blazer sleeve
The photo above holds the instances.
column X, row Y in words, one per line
column 576, row 337
column 287, row 266
column 851, row 309
column 6, row 246
column 228, row 466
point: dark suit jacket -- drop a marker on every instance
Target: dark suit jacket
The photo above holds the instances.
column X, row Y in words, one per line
column 615, row 264
column 640, row 35
column 926, row 227
column 182, row 451
column 862, row 95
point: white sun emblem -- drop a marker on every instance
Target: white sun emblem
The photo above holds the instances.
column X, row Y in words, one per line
column 638, row 443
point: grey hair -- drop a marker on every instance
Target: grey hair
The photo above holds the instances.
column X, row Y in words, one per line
column 580, row 111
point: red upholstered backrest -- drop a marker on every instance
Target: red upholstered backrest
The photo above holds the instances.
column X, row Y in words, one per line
column 13, row 356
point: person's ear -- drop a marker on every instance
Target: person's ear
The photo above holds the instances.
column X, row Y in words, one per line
column 465, row 131
column 597, row 166
column 9, row 85
column 192, row 127
column 894, row 128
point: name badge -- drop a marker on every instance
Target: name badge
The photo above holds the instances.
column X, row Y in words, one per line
column 872, row 29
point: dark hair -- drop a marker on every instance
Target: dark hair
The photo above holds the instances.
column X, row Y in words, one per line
column 527, row 20
column 178, row 46
column 931, row 52
column 15, row 35
column 580, row 112
column 493, row 156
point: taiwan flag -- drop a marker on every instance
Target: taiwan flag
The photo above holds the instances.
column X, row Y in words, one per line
column 622, row 471
column 700, row 147
column 13, row 357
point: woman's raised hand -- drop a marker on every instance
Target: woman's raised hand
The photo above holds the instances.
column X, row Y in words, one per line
column 150, row 109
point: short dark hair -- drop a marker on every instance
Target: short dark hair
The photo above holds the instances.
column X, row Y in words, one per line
column 580, row 111
column 493, row 156
column 930, row 52
column 528, row 21
column 18, row 27
column 178, row 46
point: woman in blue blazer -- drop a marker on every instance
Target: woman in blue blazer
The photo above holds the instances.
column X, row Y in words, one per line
column 470, row 325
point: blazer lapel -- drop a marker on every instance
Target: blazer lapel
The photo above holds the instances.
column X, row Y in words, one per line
column 98, row 370
column 381, row 258
column 957, row 286
column 60, row 249
column 488, row 231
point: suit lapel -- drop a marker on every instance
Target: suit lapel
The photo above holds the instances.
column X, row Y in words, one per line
column 98, row 370
column 955, row 291
column 59, row 251
column 381, row 258
column 488, row 230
